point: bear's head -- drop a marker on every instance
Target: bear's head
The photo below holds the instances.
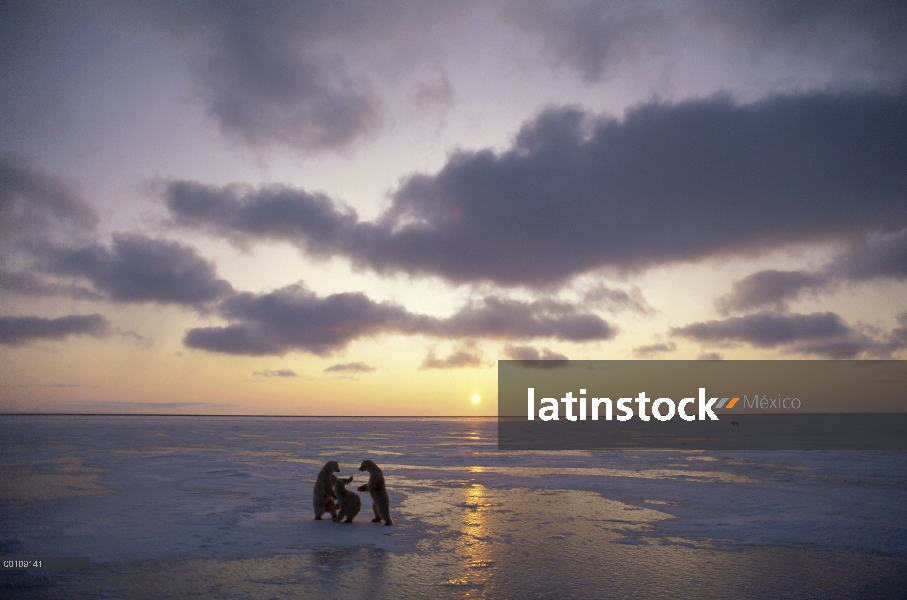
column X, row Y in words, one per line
column 368, row 465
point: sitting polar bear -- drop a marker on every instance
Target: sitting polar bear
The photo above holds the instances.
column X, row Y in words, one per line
column 380, row 502
column 324, row 496
column 348, row 503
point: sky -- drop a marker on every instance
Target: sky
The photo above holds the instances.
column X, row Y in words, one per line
column 358, row 208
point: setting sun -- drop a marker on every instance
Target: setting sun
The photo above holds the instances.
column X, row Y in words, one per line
column 475, row 398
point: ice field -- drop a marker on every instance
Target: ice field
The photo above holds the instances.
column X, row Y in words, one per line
column 221, row 506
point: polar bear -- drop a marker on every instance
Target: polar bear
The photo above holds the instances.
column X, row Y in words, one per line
column 348, row 503
column 375, row 486
column 324, row 496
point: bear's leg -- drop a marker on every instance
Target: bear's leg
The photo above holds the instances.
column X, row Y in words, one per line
column 377, row 518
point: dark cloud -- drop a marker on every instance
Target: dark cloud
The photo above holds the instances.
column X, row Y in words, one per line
column 29, row 283
column 877, row 28
column 36, row 208
column 275, row 213
column 766, row 330
column 466, row 356
column 710, row 356
column 277, row 373
column 668, row 183
column 530, row 353
column 768, row 288
column 615, row 301
column 20, row 330
column 879, row 256
column 136, row 268
column 511, row 319
column 818, row 334
column 591, row 35
column 46, row 233
column 293, row 318
column 852, row 346
column 274, row 73
column 594, row 36
column 353, row 367
column 899, row 334
column 532, row 358
column 654, row 349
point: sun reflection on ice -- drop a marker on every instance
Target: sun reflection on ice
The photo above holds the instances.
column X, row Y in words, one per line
column 473, row 547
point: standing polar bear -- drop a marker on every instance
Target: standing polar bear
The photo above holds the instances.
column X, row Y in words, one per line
column 324, row 496
column 380, row 502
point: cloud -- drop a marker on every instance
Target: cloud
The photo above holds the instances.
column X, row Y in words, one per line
column 588, row 35
column 876, row 28
column 710, row 356
column 595, row 36
column 766, row 330
column 439, row 94
column 29, row 283
column 899, row 334
column 466, row 356
column 529, row 353
column 535, row 359
column 21, row 330
column 353, row 367
column 293, row 318
column 574, row 193
column 135, row 337
column 615, row 301
column 275, row 212
column 878, row 256
column 136, row 268
column 275, row 73
column 654, row 349
column 277, row 373
column 48, row 247
column 819, row 334
column 37, row 208
column 501, row 318
column 768, row 288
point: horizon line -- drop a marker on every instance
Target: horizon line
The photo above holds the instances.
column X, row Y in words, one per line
column 42, row 414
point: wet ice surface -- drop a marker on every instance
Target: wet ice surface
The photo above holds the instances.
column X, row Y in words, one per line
column 222, row 506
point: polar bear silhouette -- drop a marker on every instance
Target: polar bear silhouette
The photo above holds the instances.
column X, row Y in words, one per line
column 348, row 503
column 380, row 502
column 324, row 496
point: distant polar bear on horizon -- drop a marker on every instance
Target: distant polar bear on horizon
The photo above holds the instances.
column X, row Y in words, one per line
column 380, row 502
column 323, row 497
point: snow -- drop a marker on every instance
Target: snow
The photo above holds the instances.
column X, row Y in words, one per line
column 123, row 490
